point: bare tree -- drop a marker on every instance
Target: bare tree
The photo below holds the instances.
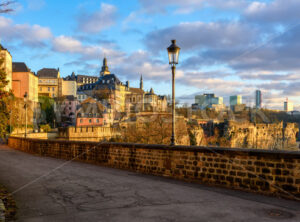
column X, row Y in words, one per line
column 5, row 6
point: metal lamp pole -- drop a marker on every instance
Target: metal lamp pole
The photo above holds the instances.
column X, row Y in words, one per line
column 173, row 106
column 25, row 99
column 173, row 52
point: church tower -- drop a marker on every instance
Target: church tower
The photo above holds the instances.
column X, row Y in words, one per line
column 104, row 70
column 141, row 83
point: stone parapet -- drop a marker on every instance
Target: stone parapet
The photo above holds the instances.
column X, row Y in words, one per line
column 262, row 171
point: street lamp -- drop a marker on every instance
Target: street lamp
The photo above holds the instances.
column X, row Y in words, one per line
column 173, row 52
column 25, row 106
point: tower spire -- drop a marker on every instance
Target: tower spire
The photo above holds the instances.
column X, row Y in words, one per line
column 104, row 70
column 141, row 83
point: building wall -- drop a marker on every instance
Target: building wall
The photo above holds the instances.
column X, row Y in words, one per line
column 25, row 82
column 235, row 100
column 288, row 106
column 7, row 65
column 267, row 172
column 87, row 133
column 48, row 87
column 85, row 121
column 68, row 88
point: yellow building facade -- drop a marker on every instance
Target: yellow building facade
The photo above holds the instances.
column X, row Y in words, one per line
column 48, row 82
column 7, row 66
column 67, row 88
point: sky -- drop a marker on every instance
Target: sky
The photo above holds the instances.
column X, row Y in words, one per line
column 227, row 47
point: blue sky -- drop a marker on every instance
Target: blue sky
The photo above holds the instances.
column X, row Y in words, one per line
column 228, row 47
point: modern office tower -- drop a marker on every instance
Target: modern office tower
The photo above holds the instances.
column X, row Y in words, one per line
column 235, row 100
column 288, row 106
column 208, row 101
column 258, row 99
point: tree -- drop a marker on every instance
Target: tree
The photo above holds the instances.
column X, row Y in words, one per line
column 155, row 129
column 4, row 101
column 47, row 109
column 5, row 6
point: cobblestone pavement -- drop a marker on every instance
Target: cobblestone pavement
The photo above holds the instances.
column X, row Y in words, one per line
column 84, row 192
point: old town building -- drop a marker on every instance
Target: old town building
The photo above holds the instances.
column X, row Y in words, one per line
column 7, row 66
column 48, row 82
column 93, row 113
column 121, row 97
column 82, row 79
column 24, row 81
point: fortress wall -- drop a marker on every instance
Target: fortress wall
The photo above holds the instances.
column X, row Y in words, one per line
column 260, row 171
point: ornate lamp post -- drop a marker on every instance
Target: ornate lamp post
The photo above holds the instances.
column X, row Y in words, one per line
column 25, row 106
column 173, row 52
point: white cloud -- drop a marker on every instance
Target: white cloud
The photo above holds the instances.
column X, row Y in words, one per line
column 279, row 11
column 195, row 35
column 32, row 35
column 67, row 44
column 99, row 20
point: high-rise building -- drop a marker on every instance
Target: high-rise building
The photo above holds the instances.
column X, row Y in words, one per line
column 208, row 101
column 235, row 100
column 258, row 99
column 288, row 106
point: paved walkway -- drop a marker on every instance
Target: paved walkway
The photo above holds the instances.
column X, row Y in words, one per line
column 84, row 192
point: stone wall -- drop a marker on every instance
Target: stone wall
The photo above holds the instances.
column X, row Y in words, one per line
column 87, row 133
column 268, row 172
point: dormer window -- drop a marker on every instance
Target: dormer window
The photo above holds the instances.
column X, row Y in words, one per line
column 107, row 81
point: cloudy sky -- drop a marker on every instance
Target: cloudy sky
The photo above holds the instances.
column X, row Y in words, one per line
column 227, row 47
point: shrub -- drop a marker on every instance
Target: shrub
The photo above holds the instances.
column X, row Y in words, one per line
column 46, row 128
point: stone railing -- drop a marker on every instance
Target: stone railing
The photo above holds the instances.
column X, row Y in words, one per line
column 268, row 172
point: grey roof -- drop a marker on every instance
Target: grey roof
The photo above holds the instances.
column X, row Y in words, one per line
column 20, row 67
column 79, row 78
column 48, row 73
column 113, row 81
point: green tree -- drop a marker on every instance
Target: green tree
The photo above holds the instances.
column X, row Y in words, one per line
column 47, row 109
column 4, row 102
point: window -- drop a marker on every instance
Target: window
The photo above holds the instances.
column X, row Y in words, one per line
column 53, row 89
column 53, row 95
column 70, row 103
column 97, row 120
column 70, row 108
column 41, row 89
column 48, row 89
column 81, row 120
column 90, row 120
column 103, row 81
